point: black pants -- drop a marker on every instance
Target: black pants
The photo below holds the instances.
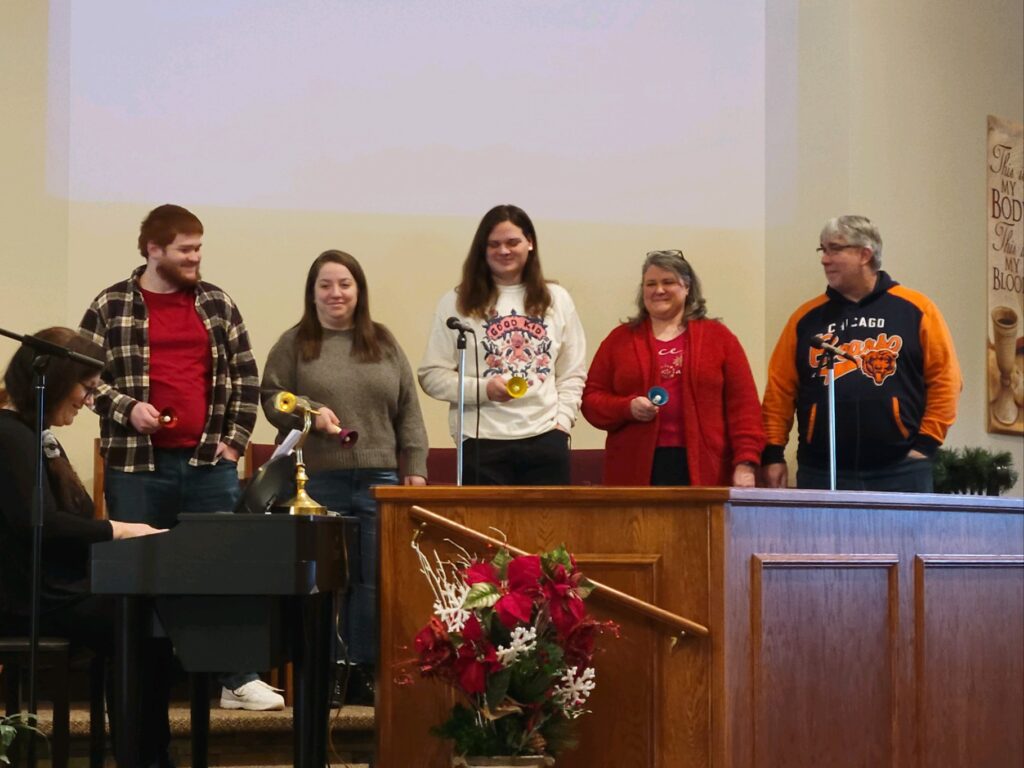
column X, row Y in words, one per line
column 88, row 622
column 540, row 460
column 670, row 467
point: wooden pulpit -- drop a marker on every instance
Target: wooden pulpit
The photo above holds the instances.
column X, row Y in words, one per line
column 844, row 629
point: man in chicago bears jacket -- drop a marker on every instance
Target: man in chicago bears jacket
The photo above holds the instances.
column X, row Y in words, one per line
column 895, row 400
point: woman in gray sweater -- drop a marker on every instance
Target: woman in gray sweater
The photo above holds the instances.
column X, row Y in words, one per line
column 352, row 370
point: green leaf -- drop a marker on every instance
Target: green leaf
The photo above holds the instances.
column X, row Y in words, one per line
column 584, row 588
column 497, row 687
column 560, row 735
column 500, row 562
column 559, row 555
column 481, row 595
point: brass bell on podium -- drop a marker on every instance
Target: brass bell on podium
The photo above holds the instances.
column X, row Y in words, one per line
column 302, row 503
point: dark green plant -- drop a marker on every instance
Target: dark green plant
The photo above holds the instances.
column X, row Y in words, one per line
column 11, row 726
column 1002, row 476
column 973, row 470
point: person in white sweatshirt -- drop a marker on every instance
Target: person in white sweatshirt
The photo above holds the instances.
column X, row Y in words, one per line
column 526, row 332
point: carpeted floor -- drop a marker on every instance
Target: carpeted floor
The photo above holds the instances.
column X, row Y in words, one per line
column 240, row 739
column 227, row 720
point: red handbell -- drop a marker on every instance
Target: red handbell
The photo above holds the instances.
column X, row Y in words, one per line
column 168, row 418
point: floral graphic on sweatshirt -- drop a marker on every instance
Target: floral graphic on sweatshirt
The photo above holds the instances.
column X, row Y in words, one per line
column 517, row 345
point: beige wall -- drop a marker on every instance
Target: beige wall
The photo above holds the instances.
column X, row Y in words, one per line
column 261, row 258
column 887, row 118
column 882, row 111
column 34, row 223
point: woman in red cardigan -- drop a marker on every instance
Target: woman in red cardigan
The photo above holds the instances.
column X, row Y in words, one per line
column 708, row 431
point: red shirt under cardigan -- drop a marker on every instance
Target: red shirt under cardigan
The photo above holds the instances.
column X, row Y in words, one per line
column 721, row 409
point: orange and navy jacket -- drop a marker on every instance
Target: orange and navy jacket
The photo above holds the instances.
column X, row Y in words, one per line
column 900, row 394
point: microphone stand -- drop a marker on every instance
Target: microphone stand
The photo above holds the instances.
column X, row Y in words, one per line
column 44, row 351
column 828, row 361
column 460, row 413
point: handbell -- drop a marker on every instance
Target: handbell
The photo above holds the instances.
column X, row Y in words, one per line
column 516, row 386
column 168, row 418
column 657, row 395
column 347, row 437
column 285, row 402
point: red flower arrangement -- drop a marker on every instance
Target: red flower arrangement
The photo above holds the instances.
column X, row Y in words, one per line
column 511, row 635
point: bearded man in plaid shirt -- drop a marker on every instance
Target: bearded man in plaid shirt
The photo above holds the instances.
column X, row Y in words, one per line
column 179, row 394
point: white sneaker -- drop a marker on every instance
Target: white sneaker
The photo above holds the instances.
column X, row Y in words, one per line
column 254, row 695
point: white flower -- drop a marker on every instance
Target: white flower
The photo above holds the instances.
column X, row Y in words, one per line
column 523, row 641
column 449, row 610
column 448, row 588
column 572, row 692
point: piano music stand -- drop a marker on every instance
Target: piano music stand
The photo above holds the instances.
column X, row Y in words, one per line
column 273, row 481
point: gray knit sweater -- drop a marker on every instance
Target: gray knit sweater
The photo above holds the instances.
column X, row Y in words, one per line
column 378, row 400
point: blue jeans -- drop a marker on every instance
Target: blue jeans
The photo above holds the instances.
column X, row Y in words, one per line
column 175, row 486
column 348, row 491
column 907, row 476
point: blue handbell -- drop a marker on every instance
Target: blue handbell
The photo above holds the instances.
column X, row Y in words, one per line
column 657, row 395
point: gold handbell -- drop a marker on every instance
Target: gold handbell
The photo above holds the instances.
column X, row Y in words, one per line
column 303, row 503
column 285, row 402
column 516, row 386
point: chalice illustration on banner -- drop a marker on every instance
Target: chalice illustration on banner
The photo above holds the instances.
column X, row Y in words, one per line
column 1004, row 340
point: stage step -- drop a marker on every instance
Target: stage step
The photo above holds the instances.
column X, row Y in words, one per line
column 239, row 738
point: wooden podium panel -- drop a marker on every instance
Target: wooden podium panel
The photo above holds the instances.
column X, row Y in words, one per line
column 846, row 629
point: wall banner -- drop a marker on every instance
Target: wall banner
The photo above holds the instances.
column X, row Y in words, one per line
column 1004, row 199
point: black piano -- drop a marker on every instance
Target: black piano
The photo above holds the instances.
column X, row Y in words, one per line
column 234, row 593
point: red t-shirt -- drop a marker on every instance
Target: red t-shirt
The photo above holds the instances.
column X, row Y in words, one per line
column 669, row 365
column 179, row 366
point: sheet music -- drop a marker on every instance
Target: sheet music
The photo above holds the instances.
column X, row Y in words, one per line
column 288, row 444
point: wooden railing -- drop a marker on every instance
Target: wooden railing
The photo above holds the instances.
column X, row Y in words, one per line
column 678, row 623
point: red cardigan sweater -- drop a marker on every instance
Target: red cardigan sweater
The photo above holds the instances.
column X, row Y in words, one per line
column 722, row 414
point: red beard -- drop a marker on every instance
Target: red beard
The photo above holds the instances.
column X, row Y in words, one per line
column 177, row 276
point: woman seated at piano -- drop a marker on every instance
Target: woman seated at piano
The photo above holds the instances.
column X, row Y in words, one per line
column 67, row 609
column 358, row 378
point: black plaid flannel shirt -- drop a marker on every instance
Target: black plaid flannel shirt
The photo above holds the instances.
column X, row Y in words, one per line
column 118, row 321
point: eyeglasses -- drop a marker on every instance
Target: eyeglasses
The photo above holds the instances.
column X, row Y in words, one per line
column 90, row 392
column 670, row 252
column 834, row 248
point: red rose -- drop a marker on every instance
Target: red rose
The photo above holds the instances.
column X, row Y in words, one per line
column 524, row 574
column 435, row 648
column 481, row 572
column 513, row 608
column 566, row 607
column 579, row 644
column 477, row 658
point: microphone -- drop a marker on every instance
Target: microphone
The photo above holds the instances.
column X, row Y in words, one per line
column 819, row 342
column 457, row 325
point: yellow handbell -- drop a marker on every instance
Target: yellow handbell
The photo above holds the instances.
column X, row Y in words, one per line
column 285, row 402
column 516, row 386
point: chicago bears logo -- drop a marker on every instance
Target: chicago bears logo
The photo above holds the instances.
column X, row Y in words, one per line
column 875, row 358
column 878, row 364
